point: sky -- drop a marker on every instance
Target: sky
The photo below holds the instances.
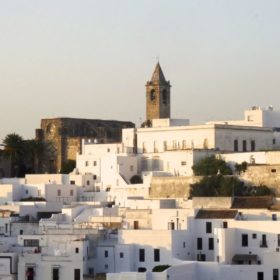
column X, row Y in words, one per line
column 92, row 58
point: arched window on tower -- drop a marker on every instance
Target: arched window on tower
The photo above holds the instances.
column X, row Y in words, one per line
column 164, row 97
column 152, row 95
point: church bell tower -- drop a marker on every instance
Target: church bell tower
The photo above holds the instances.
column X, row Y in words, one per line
column 157, row 96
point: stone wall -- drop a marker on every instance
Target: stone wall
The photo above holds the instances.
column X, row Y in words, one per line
column 171, row 187
column 268, row 175
column 64, row 136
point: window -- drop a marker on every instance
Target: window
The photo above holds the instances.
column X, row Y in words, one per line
column 26, row 191
column 225, row 224
column 211, row 243
column 164, row 97
column 94, row 177
column 106, row 266
column 86, row 163
column 31, row 242
column 273, row 141
column 244, row 240
column 156, row 255
column 71, row 192
column 183, row 163
column 184, row 244
column 165, row 145
column 278, row 239
column 76, row 250
column 152, row 95
column 88, row 182
column 235, row 145
column 244, row 145
column 254, row 236
column 121, row 255
column 30, row 273
column 72, row 182
column 208, row 227
column 253, row 145
column 141, row 255
column 264, row 242
column 199, row 243
column 58, row 192
column 21, row 232
column 273, row 170
column 131, row 168
column 55, row 273
column 171, row 225
column 108, row 150
column 106, row 254
column 260, row 275
column 275, row 273
column 77, row 274
column 95, row 163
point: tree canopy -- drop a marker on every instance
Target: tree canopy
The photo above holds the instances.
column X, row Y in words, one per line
column 211, row 166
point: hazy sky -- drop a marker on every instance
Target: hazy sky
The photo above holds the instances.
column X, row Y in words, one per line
column 92, row 58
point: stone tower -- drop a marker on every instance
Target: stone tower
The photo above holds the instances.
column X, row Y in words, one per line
column 157, row 96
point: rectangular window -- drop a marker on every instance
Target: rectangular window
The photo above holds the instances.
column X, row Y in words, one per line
column 244, row 240
column 72, row 182
column 273, row 141
column 141, row 255
column 95, row 163
column 244, row 145
column 183, row 163
column 275, row 274
column 264, row 242
column 58, row 192
column 31, row 242
column 88, row 182
column 86, row 163
column 253, row 145
column 278, row 239
column 254, row 235
column 208, row 227
column 156, row 255
column 71, row 192
column 77, row 250
column 131, row 168
column 55, row 273
column 199, row 243
column 77, row 274
column 106, row 254
column 211, row 243
column 121, row 255
column 225, row 224
column 260, row 275
column 235, row 145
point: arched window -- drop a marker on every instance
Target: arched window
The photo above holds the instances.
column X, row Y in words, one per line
column 164, row 97
column 152, row 95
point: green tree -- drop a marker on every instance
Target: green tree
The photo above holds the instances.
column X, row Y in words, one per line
column 14, row 149
column 262, row 191
column 241, row 167
column 217, row 185
column 68, row 166
column 211, row 166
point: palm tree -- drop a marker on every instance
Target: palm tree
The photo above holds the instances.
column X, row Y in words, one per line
column 14, row 149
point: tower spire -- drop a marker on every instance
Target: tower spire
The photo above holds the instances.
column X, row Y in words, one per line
column 158, row 75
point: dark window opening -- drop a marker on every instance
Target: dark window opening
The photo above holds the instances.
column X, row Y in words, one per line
column 225, row 224
column 30, row 273
column 55, row 273
column 235, row 145
column 211, row 243
column 152, row 95
column 253, row 145
column 106, row 254
column 77, row 250
column 121, row 255
column 244, row 145
column 199, row 243
column 275, row 274
column 77, row 274
column 254, row 235
column 156, row 255
column 208, row 227
column 141, row 255
column 244, row 240
column 72, row 182
column 201, row 257
column 164, row 97
column 260, row 275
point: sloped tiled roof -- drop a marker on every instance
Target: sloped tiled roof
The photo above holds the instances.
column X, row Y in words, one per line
column 216, row 214
column 252, row 202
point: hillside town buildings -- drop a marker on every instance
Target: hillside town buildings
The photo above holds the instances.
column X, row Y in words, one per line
column 125, row 211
